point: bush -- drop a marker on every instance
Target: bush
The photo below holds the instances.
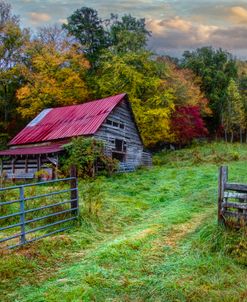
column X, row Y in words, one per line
column 87, row 155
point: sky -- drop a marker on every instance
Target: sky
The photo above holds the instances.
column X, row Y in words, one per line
column 176, row 25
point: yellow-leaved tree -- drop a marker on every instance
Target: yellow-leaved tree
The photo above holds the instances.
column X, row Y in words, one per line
column 52, row 78
column 139, row 76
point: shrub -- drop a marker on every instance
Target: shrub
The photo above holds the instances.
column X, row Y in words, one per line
column 87, row 155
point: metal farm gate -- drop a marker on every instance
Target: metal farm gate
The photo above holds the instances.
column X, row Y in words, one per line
column 29, row 212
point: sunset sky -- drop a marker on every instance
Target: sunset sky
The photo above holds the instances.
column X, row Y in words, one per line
column 176, row 25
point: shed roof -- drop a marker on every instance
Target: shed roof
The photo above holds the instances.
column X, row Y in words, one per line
column 65, row 122
column 52, row 148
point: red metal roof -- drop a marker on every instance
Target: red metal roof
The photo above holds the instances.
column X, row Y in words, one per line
column 69, row 121
column 33, row 150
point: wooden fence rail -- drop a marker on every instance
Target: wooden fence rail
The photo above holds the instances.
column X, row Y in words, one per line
column 232, row 199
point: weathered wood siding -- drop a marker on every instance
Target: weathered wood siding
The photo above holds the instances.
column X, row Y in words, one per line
column 108, row 133
column 232, row 200
column 17, row 167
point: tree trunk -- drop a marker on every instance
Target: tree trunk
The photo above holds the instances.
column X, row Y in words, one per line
column 225, row 135
column 231, row 136
column 240, row 133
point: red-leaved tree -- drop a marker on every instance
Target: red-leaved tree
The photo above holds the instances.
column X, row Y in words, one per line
column 188, row 124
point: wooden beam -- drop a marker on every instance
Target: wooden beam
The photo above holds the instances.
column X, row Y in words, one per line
column 38, row 163
column 223, row 177
column 26, row 164
column 236, row 187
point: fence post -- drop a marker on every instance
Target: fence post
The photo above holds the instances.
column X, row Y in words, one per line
column 73, row 187
column 22, row 216
column 223, row 177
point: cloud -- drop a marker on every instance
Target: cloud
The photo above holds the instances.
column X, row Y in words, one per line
column 63, row 21
column 39, row 17
column 238, row 14
column 181, row 31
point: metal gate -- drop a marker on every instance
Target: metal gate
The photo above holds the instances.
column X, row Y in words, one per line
column 29, row 212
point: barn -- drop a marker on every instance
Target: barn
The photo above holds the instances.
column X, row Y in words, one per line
column 39, row 145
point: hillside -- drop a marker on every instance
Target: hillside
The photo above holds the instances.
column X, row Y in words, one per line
column 151, row 235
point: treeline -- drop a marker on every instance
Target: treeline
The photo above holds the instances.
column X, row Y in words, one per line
column 174, row 101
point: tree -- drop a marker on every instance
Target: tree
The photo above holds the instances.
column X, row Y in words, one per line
column 52, row 79
column 12, row 41
column 54, row 35
column 187, row 124
column 233, row 114
column 6, row 15
column 216, row 68
column 128, row 34
column 186, row 86
column 86, row 26
column 120, row 35
column 139, row 76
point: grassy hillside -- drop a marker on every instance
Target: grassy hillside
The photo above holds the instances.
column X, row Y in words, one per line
column 151, row 235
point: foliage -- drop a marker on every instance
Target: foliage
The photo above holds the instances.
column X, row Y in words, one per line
column 52, row 79
column 119, row 35
column 86, row 154
column 92, row 198
column 128, row 34
column 216, row 68
column 187, row 124
column 138, row 76
column 233, row 114
column 12, row 41
column 86, row 26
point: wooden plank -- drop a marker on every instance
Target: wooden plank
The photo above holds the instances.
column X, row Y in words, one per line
column 235, row 195
column 223, row 177
column 236, row 214
column 236, row 187
column 234, row 205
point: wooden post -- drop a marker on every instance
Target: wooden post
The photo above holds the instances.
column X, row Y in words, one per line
column 223, row 177
column 73, row 192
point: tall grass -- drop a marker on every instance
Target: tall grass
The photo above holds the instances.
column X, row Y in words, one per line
column 151, row 235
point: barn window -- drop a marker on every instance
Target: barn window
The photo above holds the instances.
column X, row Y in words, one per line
column 115, row 124
column 109, row 122
column 120, row 145
column 119, row 152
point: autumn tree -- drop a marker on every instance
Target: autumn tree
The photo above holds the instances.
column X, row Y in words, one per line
column 12, row 41
column 215, row 68
column 52, row 78
column 138, row 75
column 187, row 124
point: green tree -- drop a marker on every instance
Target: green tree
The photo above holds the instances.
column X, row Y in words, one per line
column 233, row 114
column 86, row 26
column 128, row 34
column 216, row 68
column 12, row 41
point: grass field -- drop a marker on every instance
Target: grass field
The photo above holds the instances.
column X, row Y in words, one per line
column 151, row 235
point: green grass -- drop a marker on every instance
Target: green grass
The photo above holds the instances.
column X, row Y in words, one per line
column 151, row 235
